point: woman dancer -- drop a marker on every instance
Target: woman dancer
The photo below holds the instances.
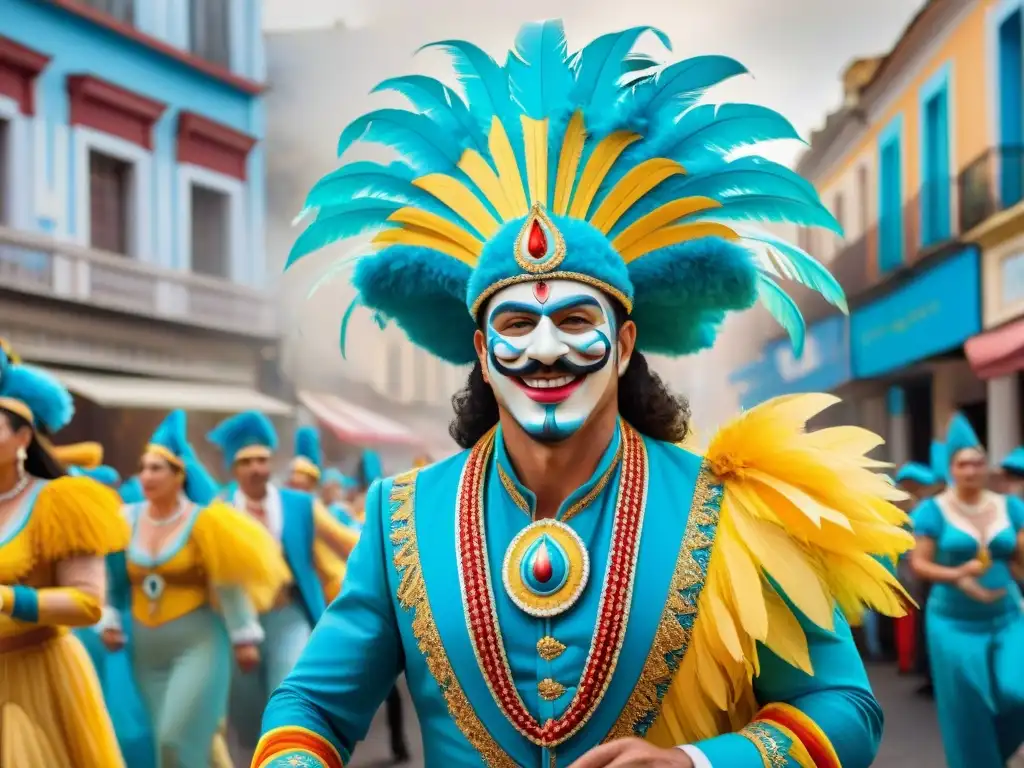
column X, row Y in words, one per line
column 196, row 574
column 967, row 541
column 54, row 534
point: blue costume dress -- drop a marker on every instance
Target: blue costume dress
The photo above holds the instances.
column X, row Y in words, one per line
column 975, row 648
column 695, row 602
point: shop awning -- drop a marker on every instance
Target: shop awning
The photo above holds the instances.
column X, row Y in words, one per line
column 166, row 394
column 997, row 352
column 354, row 424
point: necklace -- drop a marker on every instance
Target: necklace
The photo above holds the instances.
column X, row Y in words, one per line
column 23, row 480
column 536, row 561
column 161, row 522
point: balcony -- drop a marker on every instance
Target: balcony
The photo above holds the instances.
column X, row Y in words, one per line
column 992, row 183
column 41, row 266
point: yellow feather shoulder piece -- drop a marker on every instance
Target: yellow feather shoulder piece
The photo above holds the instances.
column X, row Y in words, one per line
column 802, row 515
column 87, row 455
column 74, row 516
column 237, row 551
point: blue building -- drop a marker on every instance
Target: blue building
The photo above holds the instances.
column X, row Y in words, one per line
column 132, row 200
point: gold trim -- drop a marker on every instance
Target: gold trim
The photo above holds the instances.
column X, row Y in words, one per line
column 550, row 649
column 557, row 249
column 306, row 467
column 672, row 638
column 510, row 487
column 578, row 277
column 550, row 690
column 19, row 407
column 599, row 486
column 761, row 736
column 164, row 453
column 412, row 596
column 252, row 452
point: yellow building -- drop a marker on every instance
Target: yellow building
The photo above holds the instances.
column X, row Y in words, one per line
column 924, row 167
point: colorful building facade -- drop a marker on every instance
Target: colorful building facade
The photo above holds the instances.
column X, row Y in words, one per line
column 132, row 206
column 922, row 166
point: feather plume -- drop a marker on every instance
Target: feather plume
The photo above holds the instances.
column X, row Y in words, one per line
column 790, row 262
column 418, row 138
column 783, row 309
column 358, row 216
column 440, row 103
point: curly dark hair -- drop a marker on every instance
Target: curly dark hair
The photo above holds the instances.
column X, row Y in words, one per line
column 644, row 401
column 39, row 462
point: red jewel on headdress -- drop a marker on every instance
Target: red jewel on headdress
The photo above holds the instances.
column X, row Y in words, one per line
column 537, row 244
column 541, row 291
column 542, row 570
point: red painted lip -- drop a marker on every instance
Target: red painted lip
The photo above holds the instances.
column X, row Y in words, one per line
column 550, row 395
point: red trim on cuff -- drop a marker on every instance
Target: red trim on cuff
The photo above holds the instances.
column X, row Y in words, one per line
column 283, row 740
column 805, row 729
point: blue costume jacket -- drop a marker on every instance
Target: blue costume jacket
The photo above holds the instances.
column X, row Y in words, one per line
column 401, row 610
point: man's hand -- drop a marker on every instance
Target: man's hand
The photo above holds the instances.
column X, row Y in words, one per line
column 633, row 752
column 247, row 657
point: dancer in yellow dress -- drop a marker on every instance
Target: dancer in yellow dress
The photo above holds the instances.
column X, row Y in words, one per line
column 54, row 534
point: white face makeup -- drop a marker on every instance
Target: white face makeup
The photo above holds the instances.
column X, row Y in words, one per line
column 551, row 354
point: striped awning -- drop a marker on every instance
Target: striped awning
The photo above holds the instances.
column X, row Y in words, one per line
column 354, row 424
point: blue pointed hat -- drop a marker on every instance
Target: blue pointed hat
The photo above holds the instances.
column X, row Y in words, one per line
column 371, row 467
column 104, row 474
column 599, row 166
column 938, row 461
column 170, row 441
column 1014, row 461
column 34, row 395
column 960, row 435
column 308, row 453
column 245, row 435
column 913, row 472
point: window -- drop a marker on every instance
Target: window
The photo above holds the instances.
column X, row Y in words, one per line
column 209, row 33
column 211, row 248
column 838, row 210
column 122, row 10
column 864, row 198
column 1011, row 108
column 890, row 223
column 5, row 172
column 110, row 193
column 935, row 191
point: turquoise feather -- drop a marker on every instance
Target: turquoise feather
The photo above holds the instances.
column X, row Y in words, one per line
column 799, row 266
column 599, row 67
column 420, row 140
column 783, row 309
column 361, row 215
column 750, row 174
column 638, row 62
column 484, row 81
column 722, row 129
column 769, row 208
column 680, row 85
column 440, row 103
column 354, row 179
column 50, row 402
column 538, row 69
column 345, row 319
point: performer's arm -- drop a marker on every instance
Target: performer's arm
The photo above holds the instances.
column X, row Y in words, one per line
column 341, row 539
column 76, row 601
column 324, row 707
column 833, row 714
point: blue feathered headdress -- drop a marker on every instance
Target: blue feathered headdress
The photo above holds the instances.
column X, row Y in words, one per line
column 599, row 166
column 1014, row 461
column 308, row 453
column 938, row 461
column 245, row 435
column 960, row 435
column 170, row 440
column 34, row 395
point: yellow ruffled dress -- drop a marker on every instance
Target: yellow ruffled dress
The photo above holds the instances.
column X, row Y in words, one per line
column 52, row 712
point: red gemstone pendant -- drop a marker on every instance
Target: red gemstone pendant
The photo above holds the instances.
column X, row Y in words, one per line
column 537, row 244
column 541, row 291
column 542, row 570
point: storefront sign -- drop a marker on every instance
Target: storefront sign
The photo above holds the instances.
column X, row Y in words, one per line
column 934, row 313
column 824, row 365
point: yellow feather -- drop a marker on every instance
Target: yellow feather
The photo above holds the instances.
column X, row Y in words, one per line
column 661, row 217
column 810, row 507
column 412, row 235
column 509, row 173
column 725, row 626
column 569, row 163
column 744, row 580
column 786, row 638
column 636, row 183
column 535, row 139
column 431, row 222
column 851, row 440
column 479, row 171
column 459, row 199
column 598, row 165
column 674, row 235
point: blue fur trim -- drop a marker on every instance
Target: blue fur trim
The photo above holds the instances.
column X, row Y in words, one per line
column 51, row 404
column 26, row 604
column 684, row 291
column 242, row 431
column 588, row 252
column 424, row 293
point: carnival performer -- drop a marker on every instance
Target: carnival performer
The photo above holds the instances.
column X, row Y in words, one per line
column 575, row 588
column 307, row 466
column 338, row 492
column 55, row 531
column 313, row 544
column 1013, row 472
column 196, row 574
column 968, row 545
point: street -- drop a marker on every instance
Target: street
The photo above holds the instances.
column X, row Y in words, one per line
column 911, row 732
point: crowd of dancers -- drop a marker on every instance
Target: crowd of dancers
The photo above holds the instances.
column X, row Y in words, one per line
column 189, row 601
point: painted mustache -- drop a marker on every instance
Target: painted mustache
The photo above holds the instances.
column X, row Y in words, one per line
column 561, row 365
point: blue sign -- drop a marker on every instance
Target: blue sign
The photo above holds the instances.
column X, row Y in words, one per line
column 824, row 365
column 933, row 313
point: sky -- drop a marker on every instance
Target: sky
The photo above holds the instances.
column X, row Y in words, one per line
column 794, row 49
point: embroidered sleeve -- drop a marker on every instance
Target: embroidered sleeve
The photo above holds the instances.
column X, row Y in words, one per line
column 293, row 747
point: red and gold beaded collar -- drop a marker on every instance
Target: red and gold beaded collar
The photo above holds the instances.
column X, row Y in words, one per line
column 613, row 610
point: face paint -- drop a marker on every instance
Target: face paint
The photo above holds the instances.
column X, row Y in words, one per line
column 551, row 354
